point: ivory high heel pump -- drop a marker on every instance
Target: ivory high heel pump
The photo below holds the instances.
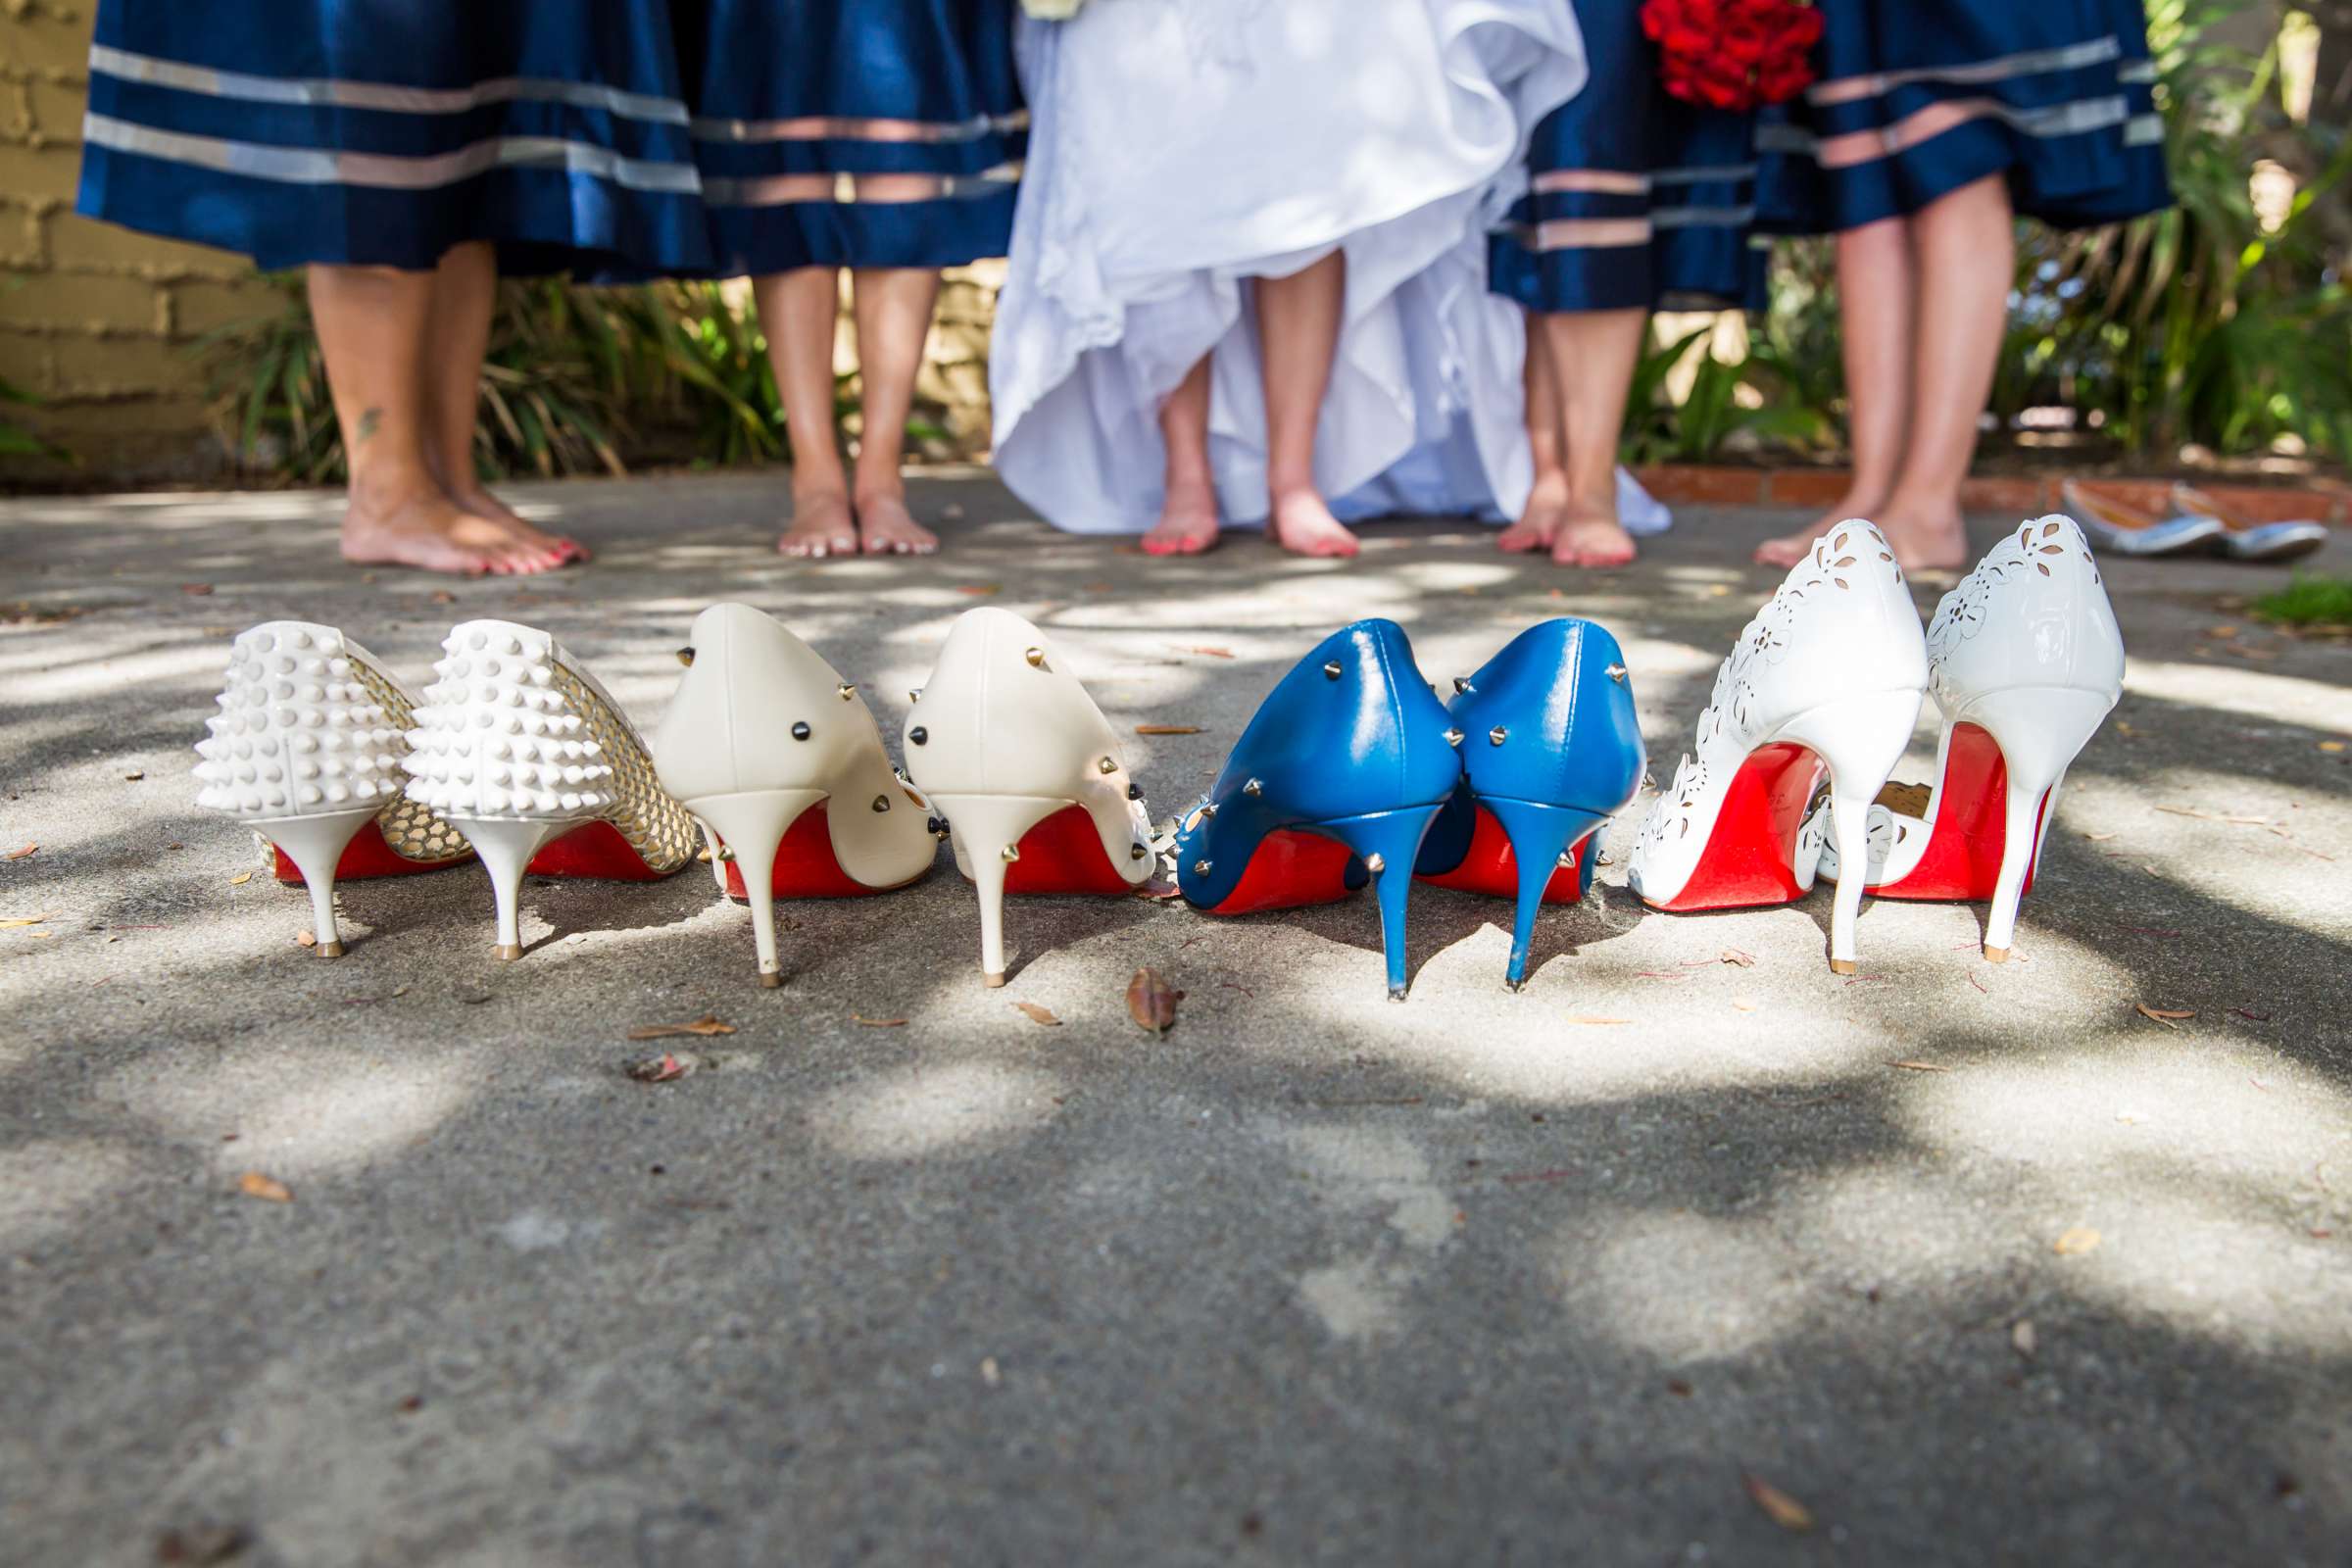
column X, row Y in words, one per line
column 1828, row 679
column 2025, row 661
column 1334, row 784
column 307, row 751
column 520, row 747
column 1015, row 756
column 1552, row 749
column 780, row 761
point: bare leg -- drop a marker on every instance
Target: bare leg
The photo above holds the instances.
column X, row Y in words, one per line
column 464, row 298
column 797, row 311
column 1547, row 501
column 371, row 325
column 1592, row 353
column 1967, row 264
column 1878, row 307
column 894, row 317
column 1188, row 517
column 1298, row 320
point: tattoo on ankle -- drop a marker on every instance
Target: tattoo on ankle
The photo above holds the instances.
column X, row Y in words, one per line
column 368, row 420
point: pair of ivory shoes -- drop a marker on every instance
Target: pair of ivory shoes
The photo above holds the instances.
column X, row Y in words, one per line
column 2025, row 661
column 1009, row 759
column 516, row 754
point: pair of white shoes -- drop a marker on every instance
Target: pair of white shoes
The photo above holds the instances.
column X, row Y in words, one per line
column 516, row 754
column 2025, row 661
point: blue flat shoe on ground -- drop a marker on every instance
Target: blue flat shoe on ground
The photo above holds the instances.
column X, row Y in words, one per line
column 1551, row 751
column 1335, row 783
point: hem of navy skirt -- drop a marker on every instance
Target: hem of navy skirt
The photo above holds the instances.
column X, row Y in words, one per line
column 1910, row 181
column 926, row 235
column 542, row 221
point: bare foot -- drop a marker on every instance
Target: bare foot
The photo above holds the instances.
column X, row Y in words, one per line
column 1188, row 522
column 471, row 498
column 1926, row 543
column 416, row 525
column 820, row 526
column 1539, row 523
column 1790, row 548
column 1592, row 539
column 1302, row 524
column 885, row 527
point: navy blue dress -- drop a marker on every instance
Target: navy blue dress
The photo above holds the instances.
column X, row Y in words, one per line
column 856, row 132
column 381, row 134
column 1636, row 200
column 1917, row 98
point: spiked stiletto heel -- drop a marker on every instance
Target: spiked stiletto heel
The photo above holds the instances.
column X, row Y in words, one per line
column 1552, row 749
column 520, row 748
column 1825, row 683
column 1011, row 750
column 1334, row 784
column 780, row 762
column 307, row 751
column 2025, row 661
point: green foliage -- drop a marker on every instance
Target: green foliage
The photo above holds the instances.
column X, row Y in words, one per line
column 2309, row 600
column 16, row 441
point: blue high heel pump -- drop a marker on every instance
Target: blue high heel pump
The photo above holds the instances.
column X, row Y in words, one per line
column 1334, row 784
column 1552, row 752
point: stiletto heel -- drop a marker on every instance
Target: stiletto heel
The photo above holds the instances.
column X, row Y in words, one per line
column 1551, row 749
column 986, row 831
column 761, row 743
column 518, row 741
column 306, row 750
column 1388, row 843
column 1336, row 782
column 1005, row 744
column 2026, row 663
column 506, row 846
column 1827, row 680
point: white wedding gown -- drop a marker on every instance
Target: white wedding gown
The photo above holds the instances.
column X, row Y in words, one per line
column 1179, row 147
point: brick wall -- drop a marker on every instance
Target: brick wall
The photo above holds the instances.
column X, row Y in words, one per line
column 95, row 319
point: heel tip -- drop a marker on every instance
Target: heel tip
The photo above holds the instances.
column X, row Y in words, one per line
column 1993, row 955
column 329, row 949
column 1396, row 993
column 1514, row 987
column 771, row 980
column 507, row 951
column 992, row 981
column 1841, row 967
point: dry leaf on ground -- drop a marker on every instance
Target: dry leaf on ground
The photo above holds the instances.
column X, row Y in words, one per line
column 660, row 1069
column 2020, row 1337
column 705, row 1025
column 196, row 590
column 2331, row 746
column 1744, row 960
column 18, row 855
column 2164, row 1015
column 979, row 590
column 877, row 1023
column 135, row 775
column 240, row 879
column 253, row 1184
column 1151, row 1000
column 1777, row 1505
column 1745, row 1003
column 2075, row 1240
column 13, row 921
column 306, row 939
column 1213, row 652
column 1034, row 1012
column 1167, row 729
column 1910, row 1065
column 1595, row 1018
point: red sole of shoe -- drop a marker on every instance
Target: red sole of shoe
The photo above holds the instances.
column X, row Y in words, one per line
column 593, row 850
column 1064, row 854
column 1290, row 869
column 1492, row 867
column 366, row 856
column 1747, row 861
column 1962, row 863
column 805, row 865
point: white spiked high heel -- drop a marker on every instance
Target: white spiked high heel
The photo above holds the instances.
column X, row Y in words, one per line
column 780, row 761
column 520, row 747
column 1827, row 680
column 307, row 751
column 1023, row 766
column 2025, row 661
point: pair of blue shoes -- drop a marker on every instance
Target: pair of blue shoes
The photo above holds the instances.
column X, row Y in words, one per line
column 1354, row 772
